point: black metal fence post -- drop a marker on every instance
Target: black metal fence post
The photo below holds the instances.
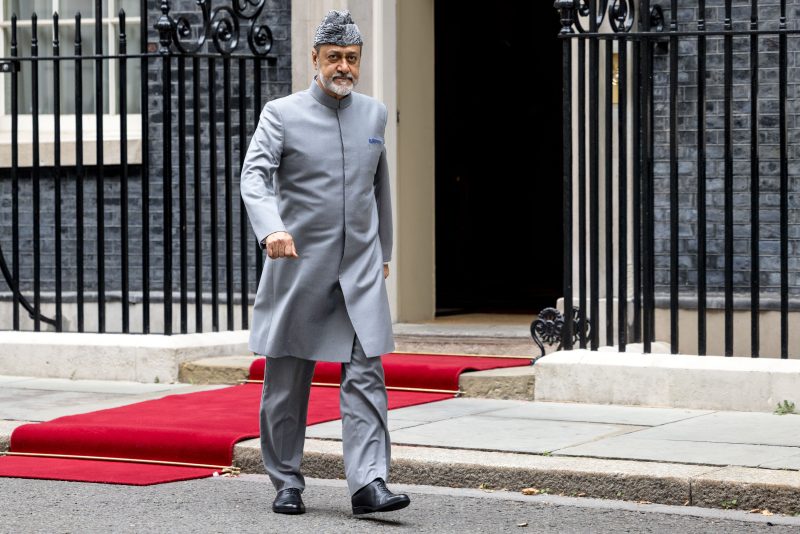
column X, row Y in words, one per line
column 100, row 179
column 35, row 177
column 755, row 190
column 182, row 200
column 622, row 183
column 123, row 160
column 213, row 192
column 701, row 180
column 198, row 199
column 566, row 8
column 57, row 185
column 165, row 27
column 14, row 176
column 646, row 177
column 228, row 165
column 594, row 174
column 608, row 187
column 674, row 205
column 784, row 182
column 244, row 230
column 728, row 99
column 145, row 178
column 79, row 174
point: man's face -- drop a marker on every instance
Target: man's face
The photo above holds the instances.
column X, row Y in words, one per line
column 337, row 67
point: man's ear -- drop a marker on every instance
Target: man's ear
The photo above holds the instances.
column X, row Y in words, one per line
column 314, row 57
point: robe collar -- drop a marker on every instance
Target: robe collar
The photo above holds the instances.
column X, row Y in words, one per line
column 327, row 100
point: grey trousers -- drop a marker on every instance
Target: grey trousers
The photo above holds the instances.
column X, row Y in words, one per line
column 363, row 405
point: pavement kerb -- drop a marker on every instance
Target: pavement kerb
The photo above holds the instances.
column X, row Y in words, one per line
column 655, row 482
column 652, row 482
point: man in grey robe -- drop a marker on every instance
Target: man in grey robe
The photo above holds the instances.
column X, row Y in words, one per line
column 316, row 186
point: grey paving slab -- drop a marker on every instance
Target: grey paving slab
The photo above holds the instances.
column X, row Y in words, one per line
column 7, row 426
column 597, row 413
column 634, row 447
column 28, row 404
column 13, row 379
column 791, row 462
column 449, row 408
column 93, row 386
column 37, row 405
column 333, row 429
column 733, row 427
column 503, row 434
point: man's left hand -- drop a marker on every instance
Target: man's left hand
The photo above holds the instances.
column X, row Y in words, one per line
column 385, row 270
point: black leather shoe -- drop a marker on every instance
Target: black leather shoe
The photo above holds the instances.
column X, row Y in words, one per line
column 376, row 497
column 288, row 501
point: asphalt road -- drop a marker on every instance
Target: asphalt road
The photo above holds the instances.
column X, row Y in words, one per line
column 243, row 505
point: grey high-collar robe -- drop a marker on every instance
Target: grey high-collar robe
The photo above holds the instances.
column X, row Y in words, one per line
column 316, row 168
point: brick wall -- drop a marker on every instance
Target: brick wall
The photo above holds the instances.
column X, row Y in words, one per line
column 769, row 164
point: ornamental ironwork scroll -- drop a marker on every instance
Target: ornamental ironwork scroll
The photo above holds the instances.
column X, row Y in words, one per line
column 219, row 28
column 621, row 15
column 548, row 327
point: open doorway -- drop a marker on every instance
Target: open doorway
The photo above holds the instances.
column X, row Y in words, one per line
column 498, row 158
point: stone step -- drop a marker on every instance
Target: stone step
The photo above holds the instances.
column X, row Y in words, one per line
column 465, row 338
column 217, row 370
column 460, row 345
column 508, row 383
column 492, row 339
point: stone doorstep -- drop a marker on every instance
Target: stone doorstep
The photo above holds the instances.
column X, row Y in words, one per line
column 662, row 483
column 442, row 344
column 512, row 383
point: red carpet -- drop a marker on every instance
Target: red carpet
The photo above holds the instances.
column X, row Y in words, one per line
column 202, row 428
column 428, row 371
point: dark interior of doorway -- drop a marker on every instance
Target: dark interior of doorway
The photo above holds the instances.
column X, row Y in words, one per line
column 498, row 157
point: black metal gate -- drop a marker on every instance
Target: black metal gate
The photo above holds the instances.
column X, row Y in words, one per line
column 123, row 236
column 681, row 175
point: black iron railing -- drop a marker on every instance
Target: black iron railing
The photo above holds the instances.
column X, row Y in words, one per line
column 164, row 229
column 677, row 185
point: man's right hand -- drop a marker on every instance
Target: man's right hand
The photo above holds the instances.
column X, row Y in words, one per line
column 281, row 245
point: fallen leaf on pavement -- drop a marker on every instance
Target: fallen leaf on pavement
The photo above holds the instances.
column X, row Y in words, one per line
column 766, row 512
column 530, row 491
column 644, row 502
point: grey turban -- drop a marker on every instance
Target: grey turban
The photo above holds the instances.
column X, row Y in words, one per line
column 338, row 28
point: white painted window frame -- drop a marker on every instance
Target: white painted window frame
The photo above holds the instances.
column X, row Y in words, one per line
column 111, row 120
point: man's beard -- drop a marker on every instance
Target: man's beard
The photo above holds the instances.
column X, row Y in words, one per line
column 341, row 90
